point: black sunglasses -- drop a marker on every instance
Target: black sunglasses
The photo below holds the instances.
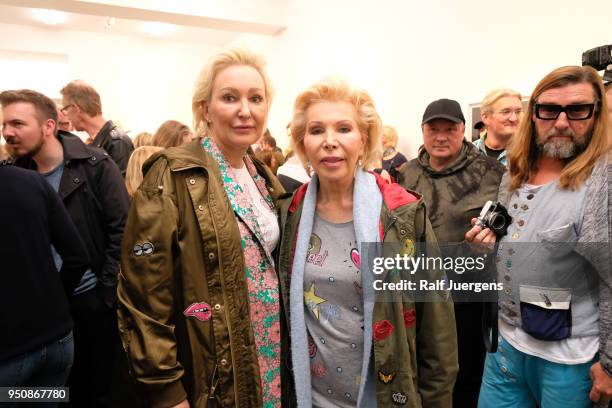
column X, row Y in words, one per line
column 582, row 111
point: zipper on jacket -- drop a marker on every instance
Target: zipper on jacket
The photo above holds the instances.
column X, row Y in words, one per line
column 388, row 227
column 213, row 383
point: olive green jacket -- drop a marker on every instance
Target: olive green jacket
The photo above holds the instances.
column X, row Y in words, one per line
column 457, row 193
column 417, row 363
column 182, row 247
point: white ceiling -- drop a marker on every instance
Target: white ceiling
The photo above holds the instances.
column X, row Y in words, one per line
column 215, row 26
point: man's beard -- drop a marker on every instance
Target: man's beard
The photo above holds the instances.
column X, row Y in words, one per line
column 562, row 149
column 31, row 152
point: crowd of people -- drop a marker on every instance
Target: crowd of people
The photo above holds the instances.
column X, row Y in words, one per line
column 205, row 268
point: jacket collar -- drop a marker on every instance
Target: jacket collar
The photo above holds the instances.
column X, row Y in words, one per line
column 188, row 156
column 74, row 148
column 103, row 134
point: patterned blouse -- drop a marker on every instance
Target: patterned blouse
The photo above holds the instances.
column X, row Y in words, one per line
column 261, row 277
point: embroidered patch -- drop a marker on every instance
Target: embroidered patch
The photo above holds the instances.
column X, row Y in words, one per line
column 382, row 330
column 200, row 311
column 399, row 398
column 356, row 258
column 386, row 378
column 312, row 347
column 409, row 318
column 408, row 248
column 146, row 248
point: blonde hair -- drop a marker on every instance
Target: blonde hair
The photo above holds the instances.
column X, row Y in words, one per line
column 523, row 151
column 133, row 172
column 142, row 139
column 206, row 79
column 494, row 96
column 391, row 134
column 332, row 90
column 84, row 96
column 171, row 133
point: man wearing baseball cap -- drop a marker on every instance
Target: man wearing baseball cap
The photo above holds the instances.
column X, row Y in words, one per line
column 455, row 181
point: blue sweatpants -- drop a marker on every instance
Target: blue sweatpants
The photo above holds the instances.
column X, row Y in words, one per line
column 513, row 379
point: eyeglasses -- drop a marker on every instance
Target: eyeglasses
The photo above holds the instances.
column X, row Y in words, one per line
column 65, row 108
column 506, row 113
column 582, row 111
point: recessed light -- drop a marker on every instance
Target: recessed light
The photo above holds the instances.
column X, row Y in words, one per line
column 48, row 16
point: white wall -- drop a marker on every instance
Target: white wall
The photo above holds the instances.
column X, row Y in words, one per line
column 141, row 82
column 405, row 53
column 409, row 53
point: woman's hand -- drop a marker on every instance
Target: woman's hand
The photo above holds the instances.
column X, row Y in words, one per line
column 183, row 404
column 481, row 240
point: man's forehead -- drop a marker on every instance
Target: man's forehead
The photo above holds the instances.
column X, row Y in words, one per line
column 508, row 101
column 19, row 108
column 581, row 92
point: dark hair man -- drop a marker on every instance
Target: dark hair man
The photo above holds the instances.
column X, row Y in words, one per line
column 93, row 191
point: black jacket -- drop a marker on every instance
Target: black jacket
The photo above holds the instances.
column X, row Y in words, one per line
column 116, row 143
column 95, row 196
column 33, row 305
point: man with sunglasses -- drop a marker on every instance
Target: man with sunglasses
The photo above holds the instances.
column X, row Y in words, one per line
column 555, row 311
column 82, row 106
column 501, row 112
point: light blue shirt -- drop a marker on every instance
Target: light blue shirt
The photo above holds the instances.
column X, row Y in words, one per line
column 89, row 280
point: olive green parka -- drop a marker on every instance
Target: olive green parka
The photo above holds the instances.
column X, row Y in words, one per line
column 416, row 365
column 182, row 247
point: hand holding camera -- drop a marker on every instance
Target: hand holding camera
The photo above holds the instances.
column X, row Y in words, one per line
column 492, row 222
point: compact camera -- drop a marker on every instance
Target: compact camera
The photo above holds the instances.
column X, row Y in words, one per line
column 495, row 217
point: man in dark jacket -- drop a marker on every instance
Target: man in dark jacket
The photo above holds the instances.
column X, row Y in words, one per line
column 36, row 348
column 455, row 181
column 94, row 194
column 82, row 106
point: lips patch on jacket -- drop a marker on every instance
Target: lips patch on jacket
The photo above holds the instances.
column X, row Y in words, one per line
column 200, row 311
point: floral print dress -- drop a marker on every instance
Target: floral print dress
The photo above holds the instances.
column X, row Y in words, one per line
column 262, row 281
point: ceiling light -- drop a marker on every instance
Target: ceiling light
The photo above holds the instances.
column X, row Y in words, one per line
column 49, row 17
column 158, row 29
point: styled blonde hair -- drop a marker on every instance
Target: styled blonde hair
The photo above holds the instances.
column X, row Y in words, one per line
column 133, row 172
column 142, row 139
column 334, row 90
column 494, row 96
column 523, row 150
column 84, row 96
column 391, row 134
column 171, row 133
column 206, row 79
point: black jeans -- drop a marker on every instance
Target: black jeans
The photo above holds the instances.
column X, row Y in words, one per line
column 471, row 348
column 95, row 336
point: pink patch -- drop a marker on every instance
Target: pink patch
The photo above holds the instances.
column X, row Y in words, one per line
column 318, row 370
column 200, row 311
column 356, row 258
